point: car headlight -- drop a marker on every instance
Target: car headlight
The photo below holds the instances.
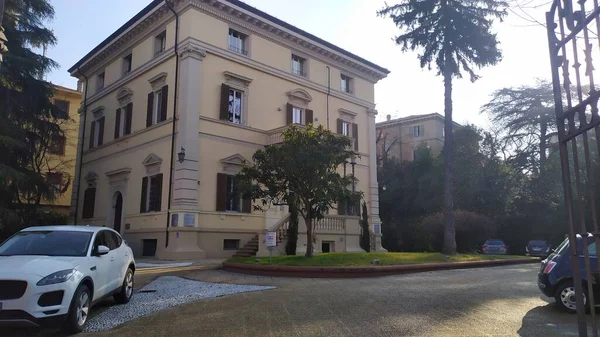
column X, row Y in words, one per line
column 58, row 277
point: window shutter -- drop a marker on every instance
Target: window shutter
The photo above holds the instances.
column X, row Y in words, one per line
column 117, row 123
column 246, row 205
column 149, row 110
column 101, row 131
column 128, row 118
column 355, row 135
column 144, row 195
column 340, row 126
column 89, row 199
column 164, row 101
column 158, row 193
column 421, row 130
column 92, row 134
column 289, row 110
column 224, row 113
column 221, row 192
column 341, row 208
column 309, row 117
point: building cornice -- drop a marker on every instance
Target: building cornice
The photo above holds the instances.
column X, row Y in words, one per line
column 233, row 13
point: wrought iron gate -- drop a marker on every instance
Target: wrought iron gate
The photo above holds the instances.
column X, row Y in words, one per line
column 574, row 40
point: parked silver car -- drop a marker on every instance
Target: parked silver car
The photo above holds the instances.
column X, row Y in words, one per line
column 494, row 246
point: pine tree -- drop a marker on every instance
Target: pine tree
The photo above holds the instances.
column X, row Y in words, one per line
column 26, row 110
column 454, row 36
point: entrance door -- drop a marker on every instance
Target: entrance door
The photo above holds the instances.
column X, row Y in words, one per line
column 118, row 212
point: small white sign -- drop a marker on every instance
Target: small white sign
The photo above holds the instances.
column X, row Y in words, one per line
column 271, row 239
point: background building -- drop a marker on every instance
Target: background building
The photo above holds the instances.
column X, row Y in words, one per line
column 400, row 138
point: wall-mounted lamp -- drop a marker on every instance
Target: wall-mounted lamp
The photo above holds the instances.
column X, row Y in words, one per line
column 181, row 155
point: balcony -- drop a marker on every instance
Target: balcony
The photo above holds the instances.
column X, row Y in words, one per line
column 275, row 136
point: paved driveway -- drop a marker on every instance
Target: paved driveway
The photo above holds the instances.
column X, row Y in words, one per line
column 499, row 301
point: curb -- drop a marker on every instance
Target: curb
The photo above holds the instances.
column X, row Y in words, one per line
column 371, row 271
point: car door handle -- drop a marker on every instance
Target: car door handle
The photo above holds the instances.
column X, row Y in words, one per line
column 112, row 258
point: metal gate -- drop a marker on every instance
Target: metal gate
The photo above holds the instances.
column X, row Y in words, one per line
column 574, row 41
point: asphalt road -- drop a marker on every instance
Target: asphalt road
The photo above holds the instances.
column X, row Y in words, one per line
column 498, row 301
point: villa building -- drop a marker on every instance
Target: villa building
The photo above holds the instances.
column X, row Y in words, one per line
column 179, row 96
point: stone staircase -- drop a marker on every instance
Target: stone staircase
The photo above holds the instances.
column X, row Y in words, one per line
column 249, row 249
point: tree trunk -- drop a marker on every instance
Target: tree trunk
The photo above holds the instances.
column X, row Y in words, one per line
column 309, row 238
column 449, row 230
column 543, row 132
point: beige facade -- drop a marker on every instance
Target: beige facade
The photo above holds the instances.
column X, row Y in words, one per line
column 60, row 159
column 400, row 138
column 235, row 78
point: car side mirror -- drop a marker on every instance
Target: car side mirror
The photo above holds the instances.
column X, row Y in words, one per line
column 102, row 250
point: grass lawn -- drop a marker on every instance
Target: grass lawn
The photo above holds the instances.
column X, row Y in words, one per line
column 364, row 259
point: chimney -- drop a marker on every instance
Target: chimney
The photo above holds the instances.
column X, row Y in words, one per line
column 389, row 117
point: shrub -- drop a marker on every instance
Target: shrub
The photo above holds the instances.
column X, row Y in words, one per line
column 365, row 234
column 472, row 229
column 292, row 233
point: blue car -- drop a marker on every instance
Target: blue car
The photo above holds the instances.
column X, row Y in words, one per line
column 555, row 278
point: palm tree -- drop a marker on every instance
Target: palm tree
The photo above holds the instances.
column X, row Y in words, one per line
column 455, row 36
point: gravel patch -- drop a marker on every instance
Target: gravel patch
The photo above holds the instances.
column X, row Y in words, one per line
column 152, row 265
column 164, row 292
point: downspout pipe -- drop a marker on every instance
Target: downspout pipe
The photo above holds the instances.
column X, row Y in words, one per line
column 175, row 94
column 82, row 145
column 328, row 93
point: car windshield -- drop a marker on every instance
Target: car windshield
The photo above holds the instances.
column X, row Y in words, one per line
column 48, row 243
column 494, row 242
column 538, row 243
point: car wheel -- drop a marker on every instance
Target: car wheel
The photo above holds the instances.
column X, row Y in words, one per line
column 565, row 297
column 79, row 310
column 126, row 292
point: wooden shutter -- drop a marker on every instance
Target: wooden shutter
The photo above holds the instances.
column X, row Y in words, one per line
column 246, row 205
column 92, row 134
column 101, row 131
column 340, row 126
column 224, row 112
column 128, row 118
column 144, row 195
column 163, row 103
column 149, row 109
column 158, row 193
column 117, row 123
column 355, row 135
column 341, row 207
column 289, row 111
column 89, row 199
column 421, row 130
column 309, row 116
column 221, row 192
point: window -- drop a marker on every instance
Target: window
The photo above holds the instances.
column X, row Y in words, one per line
column 234, row 201
column 89, row 199
column 151, row 193
column 443, row 132
column 237, row 42
column 57, row 145
column 55, row 179
column 592, row 249
column 297, row 116
column 63, row 109
column 127, row 64
column 298, row 65
column 417, row 131
column 230, row 244
column 235, row 106
column 149, row 247
column 123, row 120
column 97, row 132
column 415, row 154
column 228, row 197
column 346, row 129
column 100, row 82
column 160, row 43
column 157, row 106
column 345, row 84
column 47, row 243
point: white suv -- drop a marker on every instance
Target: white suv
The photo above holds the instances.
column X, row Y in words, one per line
column 55, row 274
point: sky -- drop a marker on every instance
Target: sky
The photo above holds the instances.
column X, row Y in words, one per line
column 353, row 25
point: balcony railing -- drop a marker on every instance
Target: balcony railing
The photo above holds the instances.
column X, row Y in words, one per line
column 275, row 136
column 238, row 50
column 331, row 224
